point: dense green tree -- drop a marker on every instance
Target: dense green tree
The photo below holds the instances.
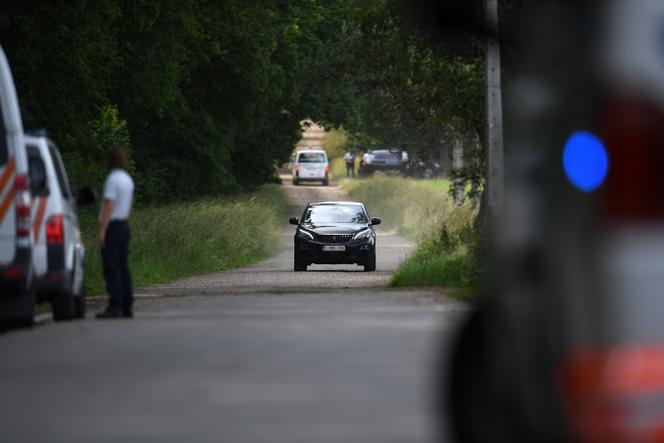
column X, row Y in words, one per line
column 209, row 95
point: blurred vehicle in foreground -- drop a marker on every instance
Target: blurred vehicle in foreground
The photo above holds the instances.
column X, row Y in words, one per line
column 311, row 165
column 567, row 343
column 17, row 289
column 335, row 233
column 59, row 253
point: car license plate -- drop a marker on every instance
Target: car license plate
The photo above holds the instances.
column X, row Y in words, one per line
column 334, row 248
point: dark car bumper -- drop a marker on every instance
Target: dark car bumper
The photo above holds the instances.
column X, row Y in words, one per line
column 309, row 252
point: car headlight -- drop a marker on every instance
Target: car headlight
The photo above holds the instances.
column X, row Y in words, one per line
column 363, row 234
column 304, row 235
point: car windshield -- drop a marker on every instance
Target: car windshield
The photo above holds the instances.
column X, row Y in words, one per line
column 335, row 214
column 311, row 157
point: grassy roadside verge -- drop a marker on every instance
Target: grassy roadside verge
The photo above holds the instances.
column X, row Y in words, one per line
column 182, row 239
column 422, row 209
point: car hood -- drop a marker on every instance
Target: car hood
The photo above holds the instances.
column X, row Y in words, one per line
column 332, row 229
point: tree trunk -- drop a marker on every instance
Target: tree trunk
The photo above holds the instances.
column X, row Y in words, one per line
column 457, row 164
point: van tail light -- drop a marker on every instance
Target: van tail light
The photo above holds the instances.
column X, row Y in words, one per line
column 55, row 234
column 615, row 396
column 22, row 205
column 326, row 168
column 634, row 135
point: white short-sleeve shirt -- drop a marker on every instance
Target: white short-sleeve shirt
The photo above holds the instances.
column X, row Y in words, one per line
column 119, row 188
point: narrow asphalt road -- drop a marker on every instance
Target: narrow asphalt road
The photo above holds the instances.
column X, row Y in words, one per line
column 258, row 354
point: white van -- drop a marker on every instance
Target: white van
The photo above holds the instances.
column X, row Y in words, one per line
column 59, row 253
column 311, row 165
column 17, row 289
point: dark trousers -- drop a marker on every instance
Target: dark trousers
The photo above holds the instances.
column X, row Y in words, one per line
column 350, row 169
column 116, row 269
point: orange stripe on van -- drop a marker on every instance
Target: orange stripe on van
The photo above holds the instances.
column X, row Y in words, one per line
column 39, row 217
column 6, row 202
column 6, row 175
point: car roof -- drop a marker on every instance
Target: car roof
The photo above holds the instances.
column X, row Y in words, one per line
column 311, row 150
column 38, row 140
column 35, row 139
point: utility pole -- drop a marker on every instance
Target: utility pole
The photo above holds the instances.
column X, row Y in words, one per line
column 494, row 110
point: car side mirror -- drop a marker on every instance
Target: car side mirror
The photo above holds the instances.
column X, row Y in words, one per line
column 375, row 221
column 294, row 221
column 86, row 196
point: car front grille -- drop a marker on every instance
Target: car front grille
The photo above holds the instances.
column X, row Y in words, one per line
column 340, row 238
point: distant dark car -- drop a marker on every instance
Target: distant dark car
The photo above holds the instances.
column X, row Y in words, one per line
column 335, row 233
column 386, row 160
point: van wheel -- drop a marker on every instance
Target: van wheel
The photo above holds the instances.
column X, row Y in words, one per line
column 370, row 265
column 62, row 306
column 18, row 310
column 326, row 182
column 296, row 182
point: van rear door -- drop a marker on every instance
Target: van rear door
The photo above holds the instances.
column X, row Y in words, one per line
column 13, row 160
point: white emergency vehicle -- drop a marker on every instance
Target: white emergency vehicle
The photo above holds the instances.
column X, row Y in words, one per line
column 311, row 165
column 59, row 253
column 17, row 289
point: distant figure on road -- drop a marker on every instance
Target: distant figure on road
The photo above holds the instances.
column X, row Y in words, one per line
column 113, row 237
column 404, row 156
column 349, row 157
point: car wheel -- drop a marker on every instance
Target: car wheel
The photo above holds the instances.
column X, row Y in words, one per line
column 79, row 305
column 62, row 305
column 79, row 299
column 326, row 182
column 298, row 266
column 370, row 265
column 296, row 182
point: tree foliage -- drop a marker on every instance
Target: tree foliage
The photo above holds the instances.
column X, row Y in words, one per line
column 209, row 95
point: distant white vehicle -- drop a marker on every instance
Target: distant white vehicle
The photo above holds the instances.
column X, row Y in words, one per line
column 59, row 253
column 311, row 165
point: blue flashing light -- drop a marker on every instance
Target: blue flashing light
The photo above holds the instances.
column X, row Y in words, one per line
column 586, row 161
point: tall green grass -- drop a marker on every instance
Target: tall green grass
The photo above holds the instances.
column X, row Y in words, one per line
column 182, row 239
column 411, row 208
column 338, row 168
column 423, row 209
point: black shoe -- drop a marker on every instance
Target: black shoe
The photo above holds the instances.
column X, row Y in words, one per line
column 109, row 313
column 128, row 314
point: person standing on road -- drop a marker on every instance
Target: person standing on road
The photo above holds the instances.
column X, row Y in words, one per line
column 113, row 237
column 349, row 157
